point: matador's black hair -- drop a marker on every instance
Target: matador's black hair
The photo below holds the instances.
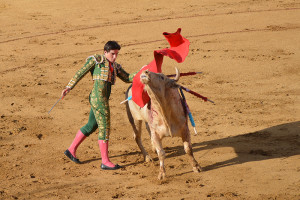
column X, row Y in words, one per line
column 111, row 45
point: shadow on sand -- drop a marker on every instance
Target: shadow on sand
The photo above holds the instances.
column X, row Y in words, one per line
column 275, row 142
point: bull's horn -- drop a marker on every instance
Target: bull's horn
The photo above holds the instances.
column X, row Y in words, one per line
column 177, row 74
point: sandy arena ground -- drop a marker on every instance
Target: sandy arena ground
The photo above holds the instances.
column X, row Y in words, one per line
column 248, row 143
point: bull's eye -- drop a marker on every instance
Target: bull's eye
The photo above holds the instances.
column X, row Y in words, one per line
column 162, row 78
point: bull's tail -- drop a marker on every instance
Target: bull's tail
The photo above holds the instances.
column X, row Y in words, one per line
column 129, row 115
column 126, row 93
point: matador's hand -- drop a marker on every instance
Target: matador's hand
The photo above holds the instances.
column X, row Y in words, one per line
column 65, row 92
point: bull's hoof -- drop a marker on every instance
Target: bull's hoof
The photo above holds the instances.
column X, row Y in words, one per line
column 197, row 169
column 161, row 176
column 148, row 158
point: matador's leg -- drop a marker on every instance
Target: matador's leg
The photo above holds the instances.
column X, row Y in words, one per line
column 99, row 102
column 102, row 115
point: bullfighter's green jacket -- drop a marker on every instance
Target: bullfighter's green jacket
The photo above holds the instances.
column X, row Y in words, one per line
column 104, row 76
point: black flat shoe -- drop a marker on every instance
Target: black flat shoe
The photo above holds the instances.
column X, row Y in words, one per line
column 69, row 155
column 104, row 167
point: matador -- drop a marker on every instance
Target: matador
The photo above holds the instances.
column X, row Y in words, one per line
column 104, row 71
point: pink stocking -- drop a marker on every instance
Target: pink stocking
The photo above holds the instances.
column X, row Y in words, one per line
column 103, row 145
column 77, row 141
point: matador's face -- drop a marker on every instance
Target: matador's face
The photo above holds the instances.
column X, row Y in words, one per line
column 112, row 55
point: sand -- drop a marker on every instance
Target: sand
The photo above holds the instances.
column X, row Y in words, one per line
column 248, row 141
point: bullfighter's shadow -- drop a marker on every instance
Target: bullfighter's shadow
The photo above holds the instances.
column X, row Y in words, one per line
column 279, row 141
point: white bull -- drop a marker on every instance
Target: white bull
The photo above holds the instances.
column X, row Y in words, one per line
column 165, row 115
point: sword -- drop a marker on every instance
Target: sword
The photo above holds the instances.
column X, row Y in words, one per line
column 55, row 104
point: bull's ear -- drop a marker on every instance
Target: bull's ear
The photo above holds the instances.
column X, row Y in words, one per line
column 172, row 84
column 176, row 85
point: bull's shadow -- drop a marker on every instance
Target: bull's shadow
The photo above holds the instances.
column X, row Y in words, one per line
column 275, row 142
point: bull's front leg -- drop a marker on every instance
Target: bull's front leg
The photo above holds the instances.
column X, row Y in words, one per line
column 186, row 138
column 189, row 151
column 137, row 137
column 156, row 141
column 149, row 131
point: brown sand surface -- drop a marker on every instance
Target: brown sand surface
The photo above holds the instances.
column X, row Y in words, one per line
column 248, row 143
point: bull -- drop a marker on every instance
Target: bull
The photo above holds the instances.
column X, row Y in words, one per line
column 164, row 115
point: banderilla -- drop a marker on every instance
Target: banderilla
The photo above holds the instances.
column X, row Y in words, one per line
column 188, row 111
column 185, row 74
column 196, row 94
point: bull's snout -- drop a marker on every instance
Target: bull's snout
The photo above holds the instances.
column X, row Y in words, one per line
column 144, row 77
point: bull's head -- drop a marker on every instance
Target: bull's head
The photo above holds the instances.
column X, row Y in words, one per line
column 158, row 82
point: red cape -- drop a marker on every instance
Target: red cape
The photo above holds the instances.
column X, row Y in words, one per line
column 179, row 49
